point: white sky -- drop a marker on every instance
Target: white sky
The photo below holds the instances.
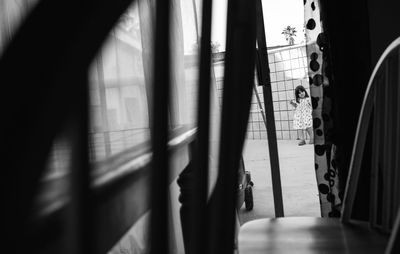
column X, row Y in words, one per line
column 277, row 15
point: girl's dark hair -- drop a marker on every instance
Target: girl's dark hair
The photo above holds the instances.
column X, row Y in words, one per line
column 297, row 92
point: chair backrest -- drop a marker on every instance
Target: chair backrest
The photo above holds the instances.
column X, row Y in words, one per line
column 381, row 111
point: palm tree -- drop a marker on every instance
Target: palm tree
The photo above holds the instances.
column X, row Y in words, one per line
column 289, row 33
column 215, row 46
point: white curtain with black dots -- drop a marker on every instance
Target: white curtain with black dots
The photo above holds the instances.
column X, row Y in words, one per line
column 319, row 77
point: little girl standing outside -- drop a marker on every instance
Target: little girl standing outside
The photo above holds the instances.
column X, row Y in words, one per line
column 302, row 119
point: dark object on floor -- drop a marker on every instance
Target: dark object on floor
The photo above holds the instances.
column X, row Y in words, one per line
column 248, row 192
column 302, row 142
column 248, row 198
column 245, row 192
column 248, row 178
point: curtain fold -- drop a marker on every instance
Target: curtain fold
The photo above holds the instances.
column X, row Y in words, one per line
column 321, row 82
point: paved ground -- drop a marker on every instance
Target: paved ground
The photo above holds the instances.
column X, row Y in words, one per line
column 299, row 188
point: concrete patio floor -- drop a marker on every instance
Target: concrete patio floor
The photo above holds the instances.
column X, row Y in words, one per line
column 299, row 187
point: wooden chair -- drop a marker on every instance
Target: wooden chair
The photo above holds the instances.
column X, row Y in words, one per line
column 329, row 235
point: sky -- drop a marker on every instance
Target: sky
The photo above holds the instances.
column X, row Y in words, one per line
column 277, row 15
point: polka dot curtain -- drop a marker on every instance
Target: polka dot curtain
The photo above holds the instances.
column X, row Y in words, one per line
column 320, row 89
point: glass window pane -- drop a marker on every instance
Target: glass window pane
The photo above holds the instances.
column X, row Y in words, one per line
column 118, row 101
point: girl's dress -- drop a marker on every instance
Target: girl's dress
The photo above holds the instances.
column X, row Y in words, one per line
column 302, row 118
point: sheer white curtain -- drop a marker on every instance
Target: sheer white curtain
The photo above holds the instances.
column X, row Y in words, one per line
column 127, row 62
column 12, row 13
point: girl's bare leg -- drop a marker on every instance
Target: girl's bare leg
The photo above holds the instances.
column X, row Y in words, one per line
column 301, row 135
column 302, row 138
column 311, row 134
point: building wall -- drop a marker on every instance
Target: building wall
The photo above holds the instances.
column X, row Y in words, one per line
column 288, row 66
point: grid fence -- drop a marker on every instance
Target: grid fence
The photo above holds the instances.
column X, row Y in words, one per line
column 288, row 66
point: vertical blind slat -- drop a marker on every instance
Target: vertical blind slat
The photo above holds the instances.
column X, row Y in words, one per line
column 237, row 92
column 159, row 131
column 199, row 241
column 81, row 236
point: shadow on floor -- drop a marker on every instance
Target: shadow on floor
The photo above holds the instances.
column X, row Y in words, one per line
column 299, row 187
